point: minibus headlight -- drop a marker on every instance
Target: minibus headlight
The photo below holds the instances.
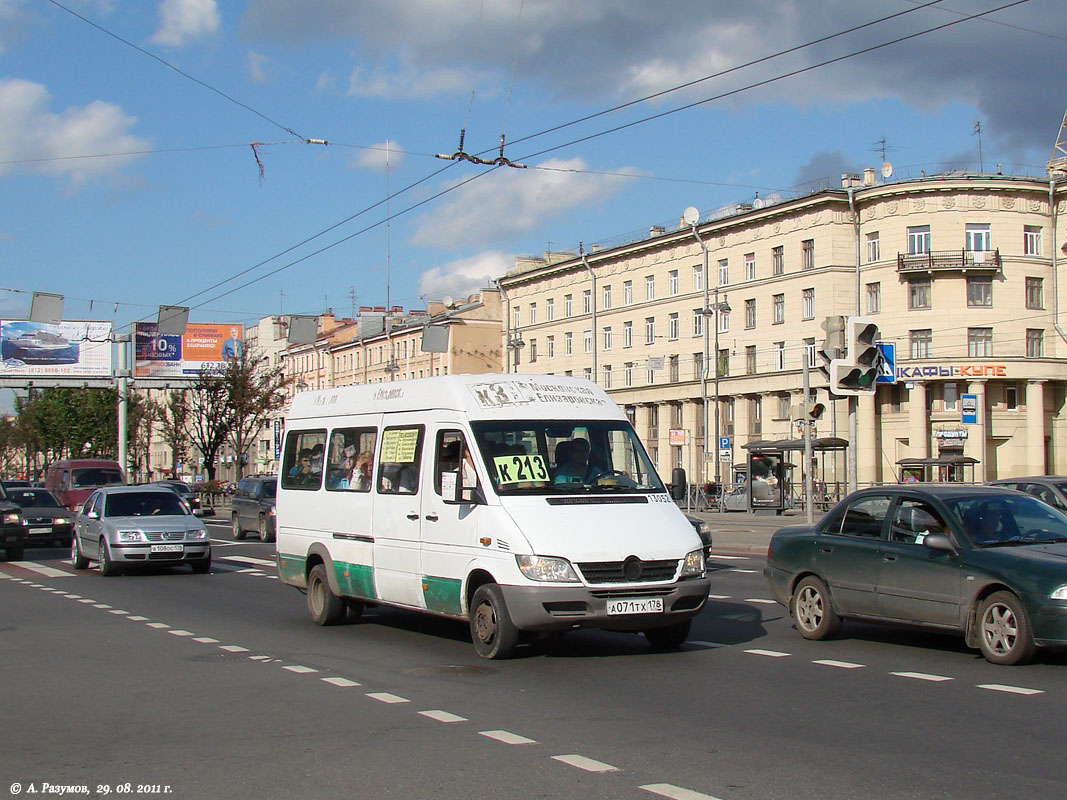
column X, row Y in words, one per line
column 693, row 564
column 1059, row 594
column 544, row 568
column 130, row 536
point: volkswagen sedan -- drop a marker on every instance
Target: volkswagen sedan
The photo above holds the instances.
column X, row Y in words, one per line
column 126, row 526
column 986, row 562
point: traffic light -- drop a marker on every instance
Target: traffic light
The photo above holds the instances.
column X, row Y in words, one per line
column 815, row 410
column 833, row 346
column 857, row 372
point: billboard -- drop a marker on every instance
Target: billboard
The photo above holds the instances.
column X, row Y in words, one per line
column 203, row 345
column 74, row 348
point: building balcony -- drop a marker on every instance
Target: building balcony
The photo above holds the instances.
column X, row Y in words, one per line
column 949, row 261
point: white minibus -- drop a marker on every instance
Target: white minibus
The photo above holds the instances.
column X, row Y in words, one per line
column 523, row 504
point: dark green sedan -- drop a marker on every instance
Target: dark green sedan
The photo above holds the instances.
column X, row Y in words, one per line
column 987, row 562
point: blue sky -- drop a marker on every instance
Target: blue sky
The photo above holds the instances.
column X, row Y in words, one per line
column 129, row 184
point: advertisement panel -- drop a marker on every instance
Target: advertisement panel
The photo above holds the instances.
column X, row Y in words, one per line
column 74, row 348
column 202, row 345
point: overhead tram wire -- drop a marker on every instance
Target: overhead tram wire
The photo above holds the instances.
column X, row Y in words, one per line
column 739, row 90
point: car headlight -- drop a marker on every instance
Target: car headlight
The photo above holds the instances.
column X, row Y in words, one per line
column 61, row 521
column 12, row 518
column 693, row 564
column 130, row 536
column 546, row 568
column 197, row 533
column 1059, row 594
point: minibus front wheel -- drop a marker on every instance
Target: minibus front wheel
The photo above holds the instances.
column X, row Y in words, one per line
column 492, row 631
column 325, row 607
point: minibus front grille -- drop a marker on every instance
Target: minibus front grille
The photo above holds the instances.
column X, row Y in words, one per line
column 616, row 572
column 607, row 594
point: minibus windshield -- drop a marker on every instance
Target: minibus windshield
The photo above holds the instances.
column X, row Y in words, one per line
column 565, row 456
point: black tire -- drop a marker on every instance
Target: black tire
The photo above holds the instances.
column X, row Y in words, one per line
column 669, row 637
column 1004, row 632
column 77, row 560
column 325, row 607
column 201, row 565
column 15, row 553
column 238, row 534
column 813, row 612
column 265, row 533
column 492, row 631
column 107, row 566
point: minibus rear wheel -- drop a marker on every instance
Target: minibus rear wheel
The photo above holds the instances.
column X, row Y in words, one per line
column 492, row 631
column 325, row 607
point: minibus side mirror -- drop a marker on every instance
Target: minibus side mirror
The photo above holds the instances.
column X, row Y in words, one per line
column 678, row 484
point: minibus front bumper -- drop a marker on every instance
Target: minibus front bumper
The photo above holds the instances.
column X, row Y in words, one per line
column 561, row 608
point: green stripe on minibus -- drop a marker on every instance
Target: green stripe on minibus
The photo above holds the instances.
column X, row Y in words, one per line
column 355, row 580
column 442, row 594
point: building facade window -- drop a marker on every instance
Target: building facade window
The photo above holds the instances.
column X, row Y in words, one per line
column 533, row 350
column 607, row 296
column 627, row 334
column 919, row 294
column 587, row 336
column 874, row 297
column 724, row 271
column 750, row 314
column 698, row 366
column 1035, row 293
column 672, row 326
column 550, row 309
column 920, row 342
column 809, row 352
column 977, row 237
column 750, row 359
column 779, row 309
column 587, row 301
column 750, row 266
column 724, row 322
column 568, row 305
column 628, row 373
column 1035, row 343
column 779, row 356
column 980, row 292
column 807, row 254
column 698, row 278
column 979, row 342
column 607, row 376
column 672, row 282
column 1011, row 396
column 515, row 319
column 673, row 370
column 568, row 343
column 808, row 304
column 627, row 293
column 550, row 346
column 918, row 239
column 778, row 260
column 607, row 337
column 724, row 362
column 698, row 322
column 1031, row 240
column 650, row 330
column 755, row 416
column 874, row 248
column 650, row 287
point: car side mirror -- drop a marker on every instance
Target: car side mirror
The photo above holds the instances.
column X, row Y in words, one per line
column 938, row 541
column 678, row 484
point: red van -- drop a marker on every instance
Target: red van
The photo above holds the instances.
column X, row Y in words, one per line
column 73, row 481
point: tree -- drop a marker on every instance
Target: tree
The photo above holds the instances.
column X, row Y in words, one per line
column 70, row 422
column 256, row 392
column 173, row 423
column 208, row 420
column 141, row 414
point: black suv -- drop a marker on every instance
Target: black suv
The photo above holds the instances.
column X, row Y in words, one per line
column 12, row 531
column 253, row 506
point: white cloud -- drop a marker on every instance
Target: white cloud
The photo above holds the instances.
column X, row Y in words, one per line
column 462, row 277
column 408, row 83
column 58, row 142
column 509, row 202
column 260, row 67
column 376, row 155
column 183, row 21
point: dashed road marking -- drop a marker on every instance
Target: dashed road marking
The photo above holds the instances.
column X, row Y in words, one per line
column 299, row 670
column 385, row 697
column 675, row 792
column 588, row 764
column 921, row 676
column 717, row 557
column 763, row 600
column 118, row 611
column 249, row 560
column 42, row 569
column 827, row 662
column 158, row 625
column 259, row 658
column 706, row 644
column 506, row 737
column 86, row 600
column 101, row 605
column 743, row 571
column 206, row 640
column 443, row 716
column 342, row 682
column 718, row 597
column 999, row 687
column 233, row 648
column 137, row 618
column 769, row 653
column 180, row 633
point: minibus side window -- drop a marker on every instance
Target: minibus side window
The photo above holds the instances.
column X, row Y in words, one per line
column 350, row 465
column 453, row 456
column 302, row 460
column 399, row 460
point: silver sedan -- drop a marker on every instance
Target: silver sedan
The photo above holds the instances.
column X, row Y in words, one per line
column 125, row 526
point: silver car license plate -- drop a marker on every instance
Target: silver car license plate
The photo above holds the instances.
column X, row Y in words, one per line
column 40, row 530
column 635, row 605
column 167, row 548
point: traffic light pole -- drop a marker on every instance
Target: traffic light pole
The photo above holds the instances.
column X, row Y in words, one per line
column 853, row 459
column 809, row 512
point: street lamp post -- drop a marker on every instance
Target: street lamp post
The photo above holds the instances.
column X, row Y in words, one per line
column 717, row 308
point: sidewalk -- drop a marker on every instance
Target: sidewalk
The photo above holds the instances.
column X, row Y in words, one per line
column 744, row 533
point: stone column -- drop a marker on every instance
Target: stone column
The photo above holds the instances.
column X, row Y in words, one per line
column 918, row 422
column 978, row 438
column 867, row 441
column 1035, row 427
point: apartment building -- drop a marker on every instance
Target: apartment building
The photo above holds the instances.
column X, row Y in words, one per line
column 960, row 271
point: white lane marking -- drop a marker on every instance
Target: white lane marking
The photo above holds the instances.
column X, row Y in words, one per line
column 921, row 676
column 718, row 597
column 385, row 697
column 717, row 557
column 180, row 633
column 206, row 640
column 299, row 669
column 43, row 569
column 675, row 792
column 763, row 600
column 706, row 644
column 588, row 764
column 158, row 625
column 249, row 560
column 743, row 571
column 770, row 653
column 999, row 687
column 443, row 716
column 233, row 648
column 841, row 664
column 137, row 618
column 343, row 682
column 270, row 577
column 74, row 596
column 117, row 611
column 102, row 605
column 86, row 600
column 259, row 658
column 507, row 738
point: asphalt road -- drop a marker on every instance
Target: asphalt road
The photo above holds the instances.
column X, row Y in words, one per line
column 218, row 685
